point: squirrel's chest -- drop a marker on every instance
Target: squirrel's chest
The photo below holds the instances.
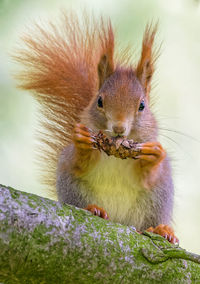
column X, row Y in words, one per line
column 114, row 185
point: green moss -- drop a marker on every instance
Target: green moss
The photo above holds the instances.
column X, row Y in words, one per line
column 14, row 194
column 32, row 205
column 41, row 234
column 83, row 249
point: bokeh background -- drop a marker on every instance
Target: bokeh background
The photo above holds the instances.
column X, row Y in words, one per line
column 176, row 95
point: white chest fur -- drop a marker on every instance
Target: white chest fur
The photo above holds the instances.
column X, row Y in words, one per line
column 116, row 188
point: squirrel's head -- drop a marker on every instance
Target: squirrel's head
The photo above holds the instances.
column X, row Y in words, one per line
column 121, row 106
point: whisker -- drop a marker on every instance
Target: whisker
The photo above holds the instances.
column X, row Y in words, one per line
column 162, row 117
column 186, row 153
column 171, row 139
column 170, row 130
column 180, row 133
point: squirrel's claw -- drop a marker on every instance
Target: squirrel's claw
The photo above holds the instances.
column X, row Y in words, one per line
column 165, row 231
column 82, row 137
column 151, row 152
column 80, row 126
column 95, row 210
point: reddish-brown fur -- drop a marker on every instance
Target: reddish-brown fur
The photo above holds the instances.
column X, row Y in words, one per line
column 60, row 63
column 60, row 68
column 145, row 67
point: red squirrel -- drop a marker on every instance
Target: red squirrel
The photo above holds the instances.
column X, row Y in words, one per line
column 83, row 87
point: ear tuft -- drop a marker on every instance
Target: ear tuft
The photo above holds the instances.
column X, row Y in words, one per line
column 145, row 67
column 106, row 63
column 105, row 69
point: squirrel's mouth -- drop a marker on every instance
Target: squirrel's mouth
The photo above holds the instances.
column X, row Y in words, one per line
column 113, row 135
column 119, row 136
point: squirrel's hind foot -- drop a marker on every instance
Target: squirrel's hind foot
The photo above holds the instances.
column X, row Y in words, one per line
column 97, row 211
column 164, row 231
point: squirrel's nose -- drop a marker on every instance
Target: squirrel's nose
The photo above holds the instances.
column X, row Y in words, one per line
column 119, row 129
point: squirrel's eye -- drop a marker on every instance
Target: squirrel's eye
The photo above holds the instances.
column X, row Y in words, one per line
column 142, row 106
column 100, row 102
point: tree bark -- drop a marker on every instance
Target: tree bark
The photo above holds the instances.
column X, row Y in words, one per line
column 42, row 241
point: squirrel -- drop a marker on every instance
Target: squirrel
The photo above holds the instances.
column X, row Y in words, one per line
column 83, row 85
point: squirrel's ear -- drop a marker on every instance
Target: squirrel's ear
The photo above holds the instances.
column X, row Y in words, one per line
column 106, row 62
column 145, row 67
column 105, row 69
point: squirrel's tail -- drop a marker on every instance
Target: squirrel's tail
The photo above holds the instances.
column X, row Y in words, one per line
column 59, row 65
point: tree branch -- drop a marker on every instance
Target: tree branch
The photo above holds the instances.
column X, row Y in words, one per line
column 42, row 241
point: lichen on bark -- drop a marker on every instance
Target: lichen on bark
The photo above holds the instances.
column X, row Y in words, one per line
column 42, row 241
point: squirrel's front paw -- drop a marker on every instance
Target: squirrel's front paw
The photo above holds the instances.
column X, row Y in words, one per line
column 83, row 137
column 151, row 155
column 166, row 232
column 95, row 210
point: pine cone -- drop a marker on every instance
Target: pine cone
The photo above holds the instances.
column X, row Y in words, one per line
column 116, row 146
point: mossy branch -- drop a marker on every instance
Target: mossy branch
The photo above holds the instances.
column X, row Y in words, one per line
column 42, row 241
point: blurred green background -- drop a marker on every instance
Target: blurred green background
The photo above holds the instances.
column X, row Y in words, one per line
column 176, row 96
